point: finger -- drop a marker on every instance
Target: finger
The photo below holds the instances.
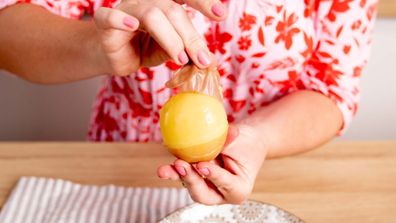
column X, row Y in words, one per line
column 106, row 18
column 213, row 9
column 158, row 26
column 196, row 185
column 229, row 185
column 152, row 49
column 194, row 44
column 167, row 172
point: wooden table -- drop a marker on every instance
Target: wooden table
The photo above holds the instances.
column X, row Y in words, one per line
column 340, row 182
column 387, row 8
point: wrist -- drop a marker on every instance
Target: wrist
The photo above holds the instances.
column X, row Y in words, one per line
column 254, row 135
column 265, row 131
column 253, row 150
column 259, row 132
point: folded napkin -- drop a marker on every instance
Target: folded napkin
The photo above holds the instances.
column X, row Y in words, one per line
column 42, row 200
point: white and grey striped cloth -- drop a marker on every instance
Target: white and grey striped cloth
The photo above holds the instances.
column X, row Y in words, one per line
column 42, row 200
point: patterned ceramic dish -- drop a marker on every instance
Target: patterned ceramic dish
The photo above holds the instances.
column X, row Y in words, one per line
column 248, row 212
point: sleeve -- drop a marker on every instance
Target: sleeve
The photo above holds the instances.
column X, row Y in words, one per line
column 73, row 9
column 343, row 31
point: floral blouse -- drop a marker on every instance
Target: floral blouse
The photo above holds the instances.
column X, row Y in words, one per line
column 265, row 49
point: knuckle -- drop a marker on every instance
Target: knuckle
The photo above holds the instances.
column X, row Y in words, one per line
column 195, row 42
column 152, row 16
column 112, row 17
column 177, row 47
column 206, row 5
column 175, row 8
column 188, row 181
column 196, row 198
column 175, row 12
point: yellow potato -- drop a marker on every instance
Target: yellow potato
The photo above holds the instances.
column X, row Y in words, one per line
column 194, row 126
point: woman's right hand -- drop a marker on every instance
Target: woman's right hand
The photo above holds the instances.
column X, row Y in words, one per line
column 140, row 33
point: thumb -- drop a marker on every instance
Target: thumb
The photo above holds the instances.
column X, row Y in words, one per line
column 107, row 18
column 116, row 29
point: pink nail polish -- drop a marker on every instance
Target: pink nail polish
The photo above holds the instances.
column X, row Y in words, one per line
column 218, row 9
column 204, row 171
column 181, row 170
column 130, row 22
column 183, row 58
column 203, row 58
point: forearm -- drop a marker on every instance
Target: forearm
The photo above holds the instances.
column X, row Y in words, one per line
column 46, row 48
column 296, row 123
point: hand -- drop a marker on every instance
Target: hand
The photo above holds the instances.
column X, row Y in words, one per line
column 147, row 33
column 228, row 179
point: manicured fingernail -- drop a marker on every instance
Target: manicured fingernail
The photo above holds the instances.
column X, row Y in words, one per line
column 130, row 22
column 203, row 57
column 183, row 58
column 218, row 9
column 204, row 171
column 181, row 170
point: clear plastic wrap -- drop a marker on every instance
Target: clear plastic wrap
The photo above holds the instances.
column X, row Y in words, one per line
column 204, row 81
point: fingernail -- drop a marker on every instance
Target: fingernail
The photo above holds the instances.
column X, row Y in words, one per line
column 181, row 170
column 183, row 58
column 218, row 9
column 203, row 57
column 204, row 171
column 130, row 22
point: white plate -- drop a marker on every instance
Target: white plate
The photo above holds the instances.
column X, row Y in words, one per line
column 248, row 212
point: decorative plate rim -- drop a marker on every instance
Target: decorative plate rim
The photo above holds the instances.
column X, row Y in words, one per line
column 261, row 202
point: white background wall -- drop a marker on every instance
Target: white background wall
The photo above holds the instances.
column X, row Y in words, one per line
column 34, row 112
column 376, row 118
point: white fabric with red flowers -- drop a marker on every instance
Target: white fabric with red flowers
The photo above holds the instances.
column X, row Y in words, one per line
column 266, row 49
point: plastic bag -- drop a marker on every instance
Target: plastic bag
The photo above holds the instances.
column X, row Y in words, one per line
column 191, row 78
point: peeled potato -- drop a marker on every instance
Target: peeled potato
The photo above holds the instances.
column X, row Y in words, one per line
column 194, row 126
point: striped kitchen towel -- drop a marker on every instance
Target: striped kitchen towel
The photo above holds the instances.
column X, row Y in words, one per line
column 43, row 200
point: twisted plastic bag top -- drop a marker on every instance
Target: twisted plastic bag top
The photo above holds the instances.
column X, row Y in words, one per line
column 191, row 78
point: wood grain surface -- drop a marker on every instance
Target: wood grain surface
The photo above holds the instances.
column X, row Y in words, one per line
column 340, row 182
column 387, row 8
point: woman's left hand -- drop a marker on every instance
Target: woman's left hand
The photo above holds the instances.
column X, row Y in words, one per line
column 228, row 179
